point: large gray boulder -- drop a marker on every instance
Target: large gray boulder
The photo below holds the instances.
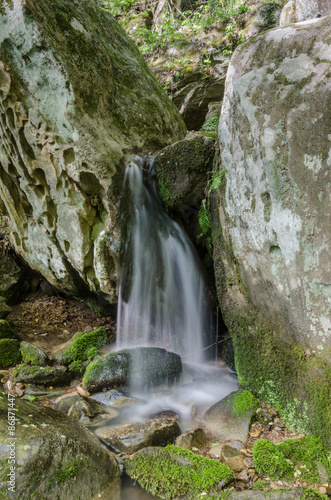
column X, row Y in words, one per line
column 303, row 10
column 55, row 457
column 75, row 97
column 271, row 219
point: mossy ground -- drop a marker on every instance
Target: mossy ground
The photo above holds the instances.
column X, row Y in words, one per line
column 172, row 472
column 303, row 458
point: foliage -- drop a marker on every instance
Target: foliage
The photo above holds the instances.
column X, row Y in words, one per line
column 310, row 494
column 31, row 398
column 211, row 125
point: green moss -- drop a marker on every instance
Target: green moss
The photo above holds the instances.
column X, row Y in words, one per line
column 269, row 461
column 174, row 472
column 304, row 457
column 9, row 353
column 260, row 485
column 6, row 330
column 82, row 344
column 245, row 402
column 70, row 471
column 310, row 494
column 32, row 354
column 211, row 125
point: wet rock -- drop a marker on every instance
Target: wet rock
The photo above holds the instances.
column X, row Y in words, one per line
column 32, row 354
column 42, row 375
column 173, row 472
column 122, row 401
column 130, row 438
column 108, row 397
column 10, row 353
column 192, row 439
column 83, row 409
column 226, row 421
column 91, row 98
column 145, row 365
column 55, row 457
column 182, row 171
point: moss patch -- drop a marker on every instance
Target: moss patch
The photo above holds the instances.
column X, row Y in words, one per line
column 173, row 472
column 32, row 354
column 6, row 330
column 244, row 403
column 305, row 458
column 10, row 353
column 82, row 345
column 41, row 375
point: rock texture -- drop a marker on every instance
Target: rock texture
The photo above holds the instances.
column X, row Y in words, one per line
column 303, row 10
column 55, row 457
column 272, row 241
column 75, row 96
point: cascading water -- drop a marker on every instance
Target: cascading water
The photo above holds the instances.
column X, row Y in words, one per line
column 162, row 296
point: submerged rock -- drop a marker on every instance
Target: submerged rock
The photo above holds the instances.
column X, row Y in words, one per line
column 76, row 96
column 230, row 418
column 271, row 219
column 144, row 366
column 130, row 438
column 55, row 457
column 173, row 472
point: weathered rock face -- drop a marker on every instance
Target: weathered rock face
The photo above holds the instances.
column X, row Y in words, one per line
column 272, row 242
column 55, row 456
column 303, row 10
column 75, row 97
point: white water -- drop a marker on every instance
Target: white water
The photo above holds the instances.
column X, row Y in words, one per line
column 162, row 296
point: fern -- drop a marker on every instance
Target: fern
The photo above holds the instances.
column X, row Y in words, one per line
column 216, row 180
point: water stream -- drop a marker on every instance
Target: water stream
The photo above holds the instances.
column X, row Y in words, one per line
column 162, row 296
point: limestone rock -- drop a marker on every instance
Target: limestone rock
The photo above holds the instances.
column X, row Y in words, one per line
column 182, row 171
column 226, row 422
column 76, row 96
column 41, row 375
column 55, row 457
column 130, row 438
column 32, row 354
column 271, row 219
column 192, row 439
column 144, row 365
column 303, row 10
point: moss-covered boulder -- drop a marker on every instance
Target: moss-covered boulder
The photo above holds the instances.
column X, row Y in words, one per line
column 182, row 171
column 143, row 366
column 41, row 375
column 10, row 353
column 32, row 354
column 7, row 330
column 81, row 347
column 271, row 219
column 4, row 309
column 55, row 457
column 173, row 472
column 230, row 418
column 76, row 96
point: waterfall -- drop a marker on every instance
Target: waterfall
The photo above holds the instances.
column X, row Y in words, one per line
column 162, row 294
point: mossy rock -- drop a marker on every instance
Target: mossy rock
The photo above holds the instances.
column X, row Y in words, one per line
column 10, row 353
column 7, row 330
column 144, row 365
column 306, row 455
column 41, row 375
column 174, row 472
column 230, row 418
column 56, row 457
column 32, row 354
column 5, row 310
column 81, row 345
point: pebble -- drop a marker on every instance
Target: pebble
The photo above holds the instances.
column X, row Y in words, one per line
column 82, row 392
column 322, row 490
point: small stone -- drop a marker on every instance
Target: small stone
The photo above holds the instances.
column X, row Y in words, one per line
column 255, row 433
column 243, row 476
column 248, row 462
column 82, row 392
column 322, row 490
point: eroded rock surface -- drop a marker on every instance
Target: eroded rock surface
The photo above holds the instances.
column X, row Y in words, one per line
column 75, row 96
column 272, row 243
column 303, row 10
